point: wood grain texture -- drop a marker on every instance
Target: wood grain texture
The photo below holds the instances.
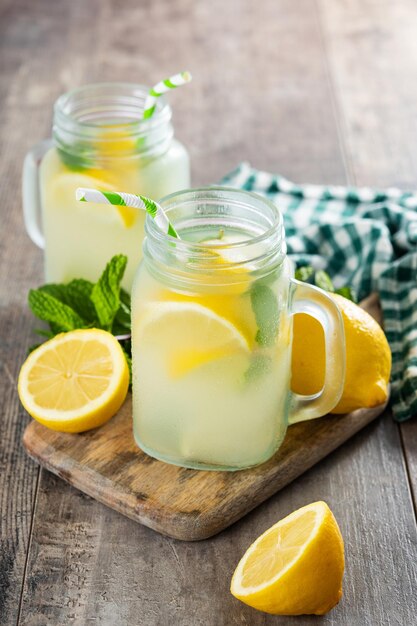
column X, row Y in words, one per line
column 376, row 100
column 20, row 267
column 320, row 96
column 372, row 55
column 90, row 565
column 107, row 465
column 185, row 504
column 409, row 443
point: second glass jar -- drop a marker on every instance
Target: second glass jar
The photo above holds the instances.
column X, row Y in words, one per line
column 100, row 141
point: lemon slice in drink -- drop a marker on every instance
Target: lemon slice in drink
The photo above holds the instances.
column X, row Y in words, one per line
column 63, row 189
column 189, row 335
column 76, row 381
column 296, row 567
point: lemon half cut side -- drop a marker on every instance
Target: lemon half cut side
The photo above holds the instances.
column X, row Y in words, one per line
column 76, row 381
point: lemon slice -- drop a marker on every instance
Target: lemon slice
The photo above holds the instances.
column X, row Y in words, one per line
column 68, row 181
column 189, row 335
column 63, row 188
column 296, row 567
column 76, row 381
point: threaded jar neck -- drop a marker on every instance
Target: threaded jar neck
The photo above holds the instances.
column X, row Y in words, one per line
column 104, row 121
column 225, row 233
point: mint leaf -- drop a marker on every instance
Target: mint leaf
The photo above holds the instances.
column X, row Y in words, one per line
column 304, row 273
column 265, row 308
column 347, row 292
column 51, row 310
column 55, row 329
column 56, row 290
column 75, row 294
column 323, row 280
column 259, row 365
column 83, row 304
column 33, row 347
column 77, row 161
column 121, row 324
column 45, row 333
column 78, row 293
column 105, row 294
column 125, row 300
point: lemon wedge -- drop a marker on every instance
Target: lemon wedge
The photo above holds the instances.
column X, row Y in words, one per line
column 76, row 381
column 189, row 335
column 296, row 567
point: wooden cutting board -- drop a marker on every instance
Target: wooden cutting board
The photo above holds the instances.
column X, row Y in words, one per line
column 106, row 464
column 186, row 504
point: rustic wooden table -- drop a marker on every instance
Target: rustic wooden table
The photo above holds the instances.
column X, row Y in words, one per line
column 320, row 91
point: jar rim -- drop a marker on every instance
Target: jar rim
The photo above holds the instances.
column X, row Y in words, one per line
column 136, row 91
column 276, row 228
column 184, row 262
column 88, row 120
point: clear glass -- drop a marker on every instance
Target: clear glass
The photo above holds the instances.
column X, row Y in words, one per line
column 212, row 333
column 100, row 140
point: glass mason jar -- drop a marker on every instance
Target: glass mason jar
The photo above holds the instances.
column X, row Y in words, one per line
column 99, row 140
column 212, row 334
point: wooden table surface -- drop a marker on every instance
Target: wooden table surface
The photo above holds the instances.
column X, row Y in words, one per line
column 321, row 91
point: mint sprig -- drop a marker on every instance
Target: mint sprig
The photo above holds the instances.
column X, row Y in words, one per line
column 75, row 158
column 320, row 278
column 259, row 365
column 265, row 308
column 304, row 273
column 83, row 304
column 347, row 292
column 323, row 280
column 105, row 294
column 78, row 295
column 121, row 324
column 49, row 309
column 266, row 311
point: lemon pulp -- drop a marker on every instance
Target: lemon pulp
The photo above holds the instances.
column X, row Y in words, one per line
column 75, row 381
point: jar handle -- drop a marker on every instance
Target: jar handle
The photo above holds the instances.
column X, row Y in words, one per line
column 313, row 301
column 31, row 192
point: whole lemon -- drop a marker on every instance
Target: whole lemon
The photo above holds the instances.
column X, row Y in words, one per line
column 368, row 358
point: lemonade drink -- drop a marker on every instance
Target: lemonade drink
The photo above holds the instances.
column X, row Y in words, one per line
column 212, row 332
column 211, row 341
column 203, row 389
column 100, row 141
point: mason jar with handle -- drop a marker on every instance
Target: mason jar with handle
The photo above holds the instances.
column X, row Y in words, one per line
column 212, row 317
column 99, row 140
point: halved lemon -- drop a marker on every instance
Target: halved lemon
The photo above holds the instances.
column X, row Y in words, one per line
column 296, row 567
column 76, row 381
column 189, row 335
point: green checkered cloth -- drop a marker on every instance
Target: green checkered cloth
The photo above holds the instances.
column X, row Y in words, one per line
column 364, row 238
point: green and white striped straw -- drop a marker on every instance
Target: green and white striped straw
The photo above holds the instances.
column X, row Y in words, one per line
column 119, row 198
column 177, row 80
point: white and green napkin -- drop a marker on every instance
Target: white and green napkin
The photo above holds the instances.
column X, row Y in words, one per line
column 362, row 237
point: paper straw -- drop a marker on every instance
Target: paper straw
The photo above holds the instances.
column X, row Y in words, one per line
column 118, row 198
column 177, row 80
